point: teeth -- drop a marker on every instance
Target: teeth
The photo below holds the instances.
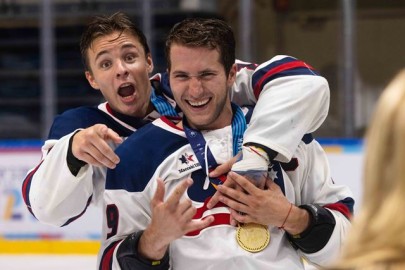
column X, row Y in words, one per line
column 199, row 103
column 125, row 85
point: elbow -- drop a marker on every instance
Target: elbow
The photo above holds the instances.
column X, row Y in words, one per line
column 45, row 213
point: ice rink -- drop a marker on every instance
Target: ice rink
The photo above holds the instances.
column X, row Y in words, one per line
column 48, row 262
column 54, row 262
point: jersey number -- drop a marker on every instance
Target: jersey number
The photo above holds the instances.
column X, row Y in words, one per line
column 112, row 216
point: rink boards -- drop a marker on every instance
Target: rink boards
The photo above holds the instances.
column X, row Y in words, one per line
column 20, row 232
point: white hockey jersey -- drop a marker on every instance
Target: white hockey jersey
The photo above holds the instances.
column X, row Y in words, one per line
column 291, row 100
column 162, row 150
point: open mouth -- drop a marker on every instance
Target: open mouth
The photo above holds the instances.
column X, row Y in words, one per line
column 198, row 104
column 126, row 90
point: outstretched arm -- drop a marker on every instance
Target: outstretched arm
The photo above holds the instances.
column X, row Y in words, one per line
column 61, row 187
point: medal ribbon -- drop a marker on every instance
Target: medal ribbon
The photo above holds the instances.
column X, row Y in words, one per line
column 202, row 151
column 162, row 105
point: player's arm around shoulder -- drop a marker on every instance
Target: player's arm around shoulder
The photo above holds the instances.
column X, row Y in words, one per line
column 293, row 100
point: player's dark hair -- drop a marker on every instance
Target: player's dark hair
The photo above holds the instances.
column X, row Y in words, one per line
column 106, row 25
column 207, row 33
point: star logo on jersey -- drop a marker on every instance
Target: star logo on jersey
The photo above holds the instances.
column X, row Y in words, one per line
column 187, row 163
column 273, row 174
column 186, row 158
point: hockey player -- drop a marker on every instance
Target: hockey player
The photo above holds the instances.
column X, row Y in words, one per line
column 156, row 198
column 81, row 142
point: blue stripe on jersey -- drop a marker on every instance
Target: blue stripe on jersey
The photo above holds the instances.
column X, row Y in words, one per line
column 146, row 149
column 26, row 186
column 349, row 202
column 279, row 179
column 79, row 215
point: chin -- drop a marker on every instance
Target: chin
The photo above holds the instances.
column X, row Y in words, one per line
column 202, row 125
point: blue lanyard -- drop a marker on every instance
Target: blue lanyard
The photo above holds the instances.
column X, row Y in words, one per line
column 198, row 143
column 162, row 105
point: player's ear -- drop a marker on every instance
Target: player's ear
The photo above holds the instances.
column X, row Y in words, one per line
column 91, row 80
column 232, row 75
column 149, row 63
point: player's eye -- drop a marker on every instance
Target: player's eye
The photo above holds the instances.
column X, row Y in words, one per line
column 105, row 64
column 130, row 57
column 207, row 75
column 181, row 76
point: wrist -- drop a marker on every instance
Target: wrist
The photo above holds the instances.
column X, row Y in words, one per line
column 74, row 164
column 260, row 152
column 252, row 159
column 150, row 245
column 297, row 221
column 271, row 154
column 317, row 233
column 129, row 257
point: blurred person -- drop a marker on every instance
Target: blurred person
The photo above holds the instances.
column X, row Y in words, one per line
column 81, row 142
column 377, row 238
column 156, row 197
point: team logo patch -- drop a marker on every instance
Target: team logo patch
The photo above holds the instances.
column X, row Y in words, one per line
column 186, row 158
column 187, row 162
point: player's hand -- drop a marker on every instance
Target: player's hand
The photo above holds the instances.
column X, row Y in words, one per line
column 268, row 206
column 91, row 146
column 224, row 168
column 171, row 219
column 220, row 170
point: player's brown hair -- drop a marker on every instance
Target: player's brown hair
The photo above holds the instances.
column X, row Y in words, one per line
column 204, row 32
column 104, row 25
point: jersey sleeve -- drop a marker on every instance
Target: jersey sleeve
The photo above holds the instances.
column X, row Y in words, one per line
column 314, row 185
column 50, row 191
column 291, row 101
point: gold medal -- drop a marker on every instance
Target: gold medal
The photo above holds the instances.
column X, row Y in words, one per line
column 253, row 237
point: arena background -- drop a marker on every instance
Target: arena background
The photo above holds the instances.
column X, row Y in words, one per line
column 356, row 45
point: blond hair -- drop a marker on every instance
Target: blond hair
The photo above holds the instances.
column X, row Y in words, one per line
column 378, row 233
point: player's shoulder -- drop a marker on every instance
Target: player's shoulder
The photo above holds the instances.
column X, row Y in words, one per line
column 155, row 136
column 73, row 119
column 141, row 154
column 79, row 112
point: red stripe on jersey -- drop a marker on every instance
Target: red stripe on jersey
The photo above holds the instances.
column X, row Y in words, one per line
column 108, row 107
column 340, row 207
column 168, row 120
column 156, row 77
column 278, row 69
column 106, row 260
column 219, row 218
column 25, row 191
